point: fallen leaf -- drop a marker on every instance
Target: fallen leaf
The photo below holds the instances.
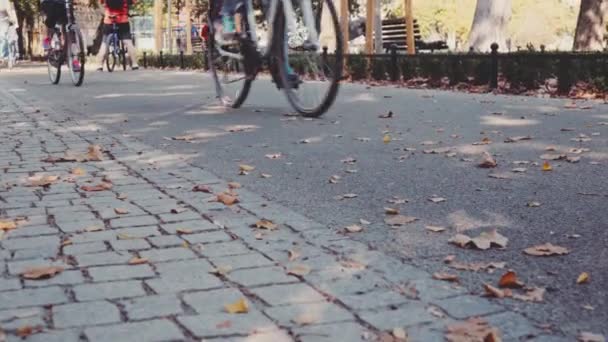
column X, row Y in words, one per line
column 400, row 334
column 258, row 236
column 386, row 138
column 183, row 231
column 477, row 266
column 584, row 336
column 487, row 161
column 547, row 166
column 492, row 291
column 553, row 156
column 123, row 236
column 573, row 160
column 518, row 138
column 349, row 196
column 437, row 199
column 121, row 211
column 435, row 229
column 354, row 228
column 510, row 280
column 583, row 278
column 448, row 259
column 546, row 249
column 274, row 155
column 227, row 199
column 364, row 222
column 435, row 311
column 588, row 307
column 224, row 325
column 78, row 171
column 183, row 137
column 299, row 269
column 306, row 318
column 7, row 225
column 292, row 255
column 349, row 160
column 472, row 330
column 533, row 204
column 122, row 196
column 391, row 211
column 265, row 175
column 94, row 153
column 353, row 264
column 388, row 115
column 446, row 277
column 66, row 242
column 484, row 241
column 240, row 306
column 428, row 143
column 138, row 261
column 460, row 240
column 234, row 185
column 42, row 180
column 397, row 200
column 266, row 224
column 245, row 169
column 103, row 186
column 535, row 294
column 202, row 188
column 521, row 162
column 399, row 220
column 27, row 330
column 519, row 170
column 41, row 272
column 335, row 179
column 221, row 270
column 93, row 228
column 484, row 141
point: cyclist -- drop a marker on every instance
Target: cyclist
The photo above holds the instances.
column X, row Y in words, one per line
column 117, row 10
column 8, row 22
column 55, row 14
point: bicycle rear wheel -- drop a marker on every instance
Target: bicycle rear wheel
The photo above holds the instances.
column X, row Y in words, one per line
column 76, row 59
column 112, row 58
column 54, row 59
column 311, row 74
column 227, row 65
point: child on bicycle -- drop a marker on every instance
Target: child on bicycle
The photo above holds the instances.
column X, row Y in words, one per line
column 117, row 10
column 56, row 14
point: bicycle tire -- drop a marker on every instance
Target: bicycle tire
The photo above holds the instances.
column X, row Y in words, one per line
column 111, row 56
column 77, row 77
column 212, row 55
column 288, row 88
column 123, row 56
column 53, row 62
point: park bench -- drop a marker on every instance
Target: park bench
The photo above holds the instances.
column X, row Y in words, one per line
column 394, row 34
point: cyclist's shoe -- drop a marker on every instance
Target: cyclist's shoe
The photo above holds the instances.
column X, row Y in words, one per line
column 100, row 69
column 135, row 67
column 46, row 44
column 76, row 65
column 294, row 80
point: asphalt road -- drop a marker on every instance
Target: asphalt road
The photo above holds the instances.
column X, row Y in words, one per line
column 573, row 197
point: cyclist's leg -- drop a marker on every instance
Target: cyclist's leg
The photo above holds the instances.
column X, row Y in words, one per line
column 125, row 36
column 102, row 54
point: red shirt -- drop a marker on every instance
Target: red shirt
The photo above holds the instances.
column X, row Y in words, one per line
column 122, row 15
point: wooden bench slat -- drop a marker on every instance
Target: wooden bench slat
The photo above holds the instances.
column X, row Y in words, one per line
column 394, row 33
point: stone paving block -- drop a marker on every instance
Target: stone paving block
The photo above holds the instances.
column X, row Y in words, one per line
column 225, row 248
column 407, row 315
column 156, row 330
column 52, row 336
column 109, row 211
column 194, row 226
column 73, row 210
column 132, row 244
column 371, row 300
column 30, row 242
column 512, row 326
column 16, row 267
column 90, row 313
column 317, row 313
column 165, row 241
column 104, row 235
column 234, row 220
column 193, row 279
column 58, row 197
column 133, row 221
column 80, row 226
column 463, row 307
column 288, row 294
column 103, row 258
column 183, row 216
column 25, row 211
column 152, row 306
column 261, row 276
column 9, row 284
column 212, row 301
column 208, row 237
column 31, row 231
column 242, row 261
column 84, row 248
column 12, row 315
column 210, row 324
column 19, row 322
column 32, row 297
column 430, row 289
column 168, row 254
column 54, row 203
column 36, row 253
column 347, row 331
column 71, row 216
column 348, row 284
column 110, row 290
column 68, row 277
column 121, row 272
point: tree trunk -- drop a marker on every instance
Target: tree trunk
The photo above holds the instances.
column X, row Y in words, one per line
column 490, row 24
column 590, row 28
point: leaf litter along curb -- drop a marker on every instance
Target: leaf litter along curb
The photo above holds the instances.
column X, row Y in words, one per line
column 484, row 241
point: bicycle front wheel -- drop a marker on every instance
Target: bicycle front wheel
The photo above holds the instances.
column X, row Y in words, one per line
column 76, row 58
column 310, row 72
column 54, row 59
column 111, row 60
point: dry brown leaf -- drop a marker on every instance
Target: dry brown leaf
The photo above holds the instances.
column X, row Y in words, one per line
column 590, row 337
column 448, row 259
column 534, row 204
column 519, row 170
column 27, row 330
column 240, row 306
column 518, row 138
column 399, row 220
column 547, row 166
column 201, row 188
column 546, row 249
column 435, row 199
column 484, row 241
column 484, row 141
column 6, row 225
column 535, row 294
column 227, row 199
column 435, row 229
column 178, row 210
column 472, row 330
column 77, row 171
column 93, row 228
column 388, row 115
column 435, row 311
column 446, row 276
column 266, row 224
column 265, row 175
column 94, row 153
column 103, row 186
column 353, row 228
column 400, row 334
column 244, row 169
column 478, row 266
column 510, row 280
column 121, row 211
column 299, row 269
column 183, row 231
column 66, row 242
column 335, row 179
column 588, row 307
column 391, row 211
column 258, row 236
column 553, row 156
column 42, row 180
column 123, row 236
column 460, row 240
column 138, row 261
column 583, row 278
column 234, row 185
column 41, row 272
column 492, row 291
column 292, row 255
column 274, row 155
column 121, row 196
column 352, row 264
column 487, row 161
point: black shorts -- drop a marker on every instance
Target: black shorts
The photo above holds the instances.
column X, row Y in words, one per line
column 124, row 31
column 55, row 13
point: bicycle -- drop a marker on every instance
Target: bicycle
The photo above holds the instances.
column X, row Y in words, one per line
column 116, row 48
column 70, row 49
column 294, row 56
column 10, row 44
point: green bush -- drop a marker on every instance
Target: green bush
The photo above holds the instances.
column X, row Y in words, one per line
column 357, row 67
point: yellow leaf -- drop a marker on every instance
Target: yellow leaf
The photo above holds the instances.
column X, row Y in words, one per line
column 266, row 224
column 66, row 242
column 123, row 236
column 79, row 171
column 387, row 138
column 509, row 279
column 240, row 306
column 7, row 225
column 547, row 166
column 183, row 231
column 583, row 278
column 185, row 244
column 246, row 168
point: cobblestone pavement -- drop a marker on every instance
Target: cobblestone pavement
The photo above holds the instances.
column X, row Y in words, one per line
column 201, row 254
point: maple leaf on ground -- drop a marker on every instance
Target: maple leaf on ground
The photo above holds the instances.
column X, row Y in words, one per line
column 484, row 241
column 487, row 161
column 227, row 199
column 266, row 224
column 590, row 337
column 546, row 249
column 510, row 280
column 472, row 330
